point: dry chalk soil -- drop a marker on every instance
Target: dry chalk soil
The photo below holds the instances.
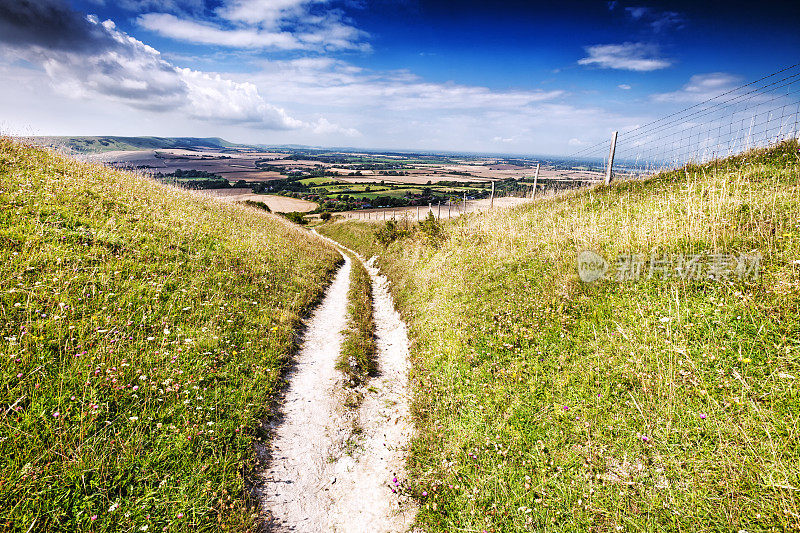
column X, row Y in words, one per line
column 323, row 476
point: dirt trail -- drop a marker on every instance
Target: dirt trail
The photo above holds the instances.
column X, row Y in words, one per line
column 323, row 476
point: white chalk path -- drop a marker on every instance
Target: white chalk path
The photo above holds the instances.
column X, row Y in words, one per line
column 315, row 481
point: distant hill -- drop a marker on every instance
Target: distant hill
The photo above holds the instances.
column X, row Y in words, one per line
column 94, row 145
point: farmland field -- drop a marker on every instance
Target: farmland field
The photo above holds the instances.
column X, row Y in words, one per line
column 329, row 180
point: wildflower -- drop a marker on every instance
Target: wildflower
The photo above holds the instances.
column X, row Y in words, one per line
column 180, row 515
column 19, row 375
column 703, row 416
column 645, row 438
column 133, row 418
column 565, row 408
column 424, row 493
column 94, row 517
column 56, row 414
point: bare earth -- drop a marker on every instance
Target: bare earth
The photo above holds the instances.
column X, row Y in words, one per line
column 313, row 484
column 456, row 210
column 276, row 204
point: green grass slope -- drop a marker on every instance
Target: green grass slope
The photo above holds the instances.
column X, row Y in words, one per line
column 544, row 403
column 144, row 330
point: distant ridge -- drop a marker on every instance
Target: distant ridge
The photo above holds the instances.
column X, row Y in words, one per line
column 99, row 144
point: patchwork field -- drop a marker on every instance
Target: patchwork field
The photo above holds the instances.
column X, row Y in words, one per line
column 333, row 181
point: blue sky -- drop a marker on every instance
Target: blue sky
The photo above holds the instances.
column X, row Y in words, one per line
column 511, row 77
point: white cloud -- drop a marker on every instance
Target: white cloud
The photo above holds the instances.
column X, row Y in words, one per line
column 100, row 60
column 263, row 24
column 624, row 86
column 204, row 33
column 700, row 87
column 211, row 97
column 338, row 83
column 268, row 13
column 323, row 127
column 640, row 57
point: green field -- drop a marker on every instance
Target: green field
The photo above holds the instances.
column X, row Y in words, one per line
column 144, row 331
column 544, row 403
column 317, row 181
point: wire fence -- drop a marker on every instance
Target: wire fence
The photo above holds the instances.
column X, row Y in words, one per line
column 755, row 115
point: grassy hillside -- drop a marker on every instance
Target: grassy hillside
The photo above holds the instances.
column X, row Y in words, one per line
column 144, row 330
column 544, row 403
column 90, row 145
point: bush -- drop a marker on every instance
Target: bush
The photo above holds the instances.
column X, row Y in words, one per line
column 296, row 217
column 432, row 231
column 325, row 216
column 390, row 232
column 257, row 205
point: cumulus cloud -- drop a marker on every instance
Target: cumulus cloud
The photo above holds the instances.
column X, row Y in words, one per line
column 85, row 57
column 640, row 57
column 212, row 97
column 700, row 87
column 263, row 24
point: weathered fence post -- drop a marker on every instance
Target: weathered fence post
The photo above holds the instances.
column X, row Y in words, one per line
column 439, row 216
column 491, row 198
column 464, row 210
column 611, row 157
column 535, row 181
column 417, row 213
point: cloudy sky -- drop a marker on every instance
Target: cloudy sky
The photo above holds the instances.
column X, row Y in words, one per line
column 512, row 77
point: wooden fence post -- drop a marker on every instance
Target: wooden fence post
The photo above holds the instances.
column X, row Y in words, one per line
column 535, row 181
column 491, row 198
column 417, row 213
column 439, row 216
column 611, row 157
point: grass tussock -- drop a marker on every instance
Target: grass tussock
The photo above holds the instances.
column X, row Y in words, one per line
column 357, row 355
column 144, row 330
column 544, row 403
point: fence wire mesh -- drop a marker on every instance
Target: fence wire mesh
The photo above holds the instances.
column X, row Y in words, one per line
column 754, row 115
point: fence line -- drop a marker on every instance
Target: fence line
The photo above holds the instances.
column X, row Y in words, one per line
column 757, row 114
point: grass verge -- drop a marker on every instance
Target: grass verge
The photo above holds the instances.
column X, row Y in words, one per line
column 144, row 329
column 543, row 403
column 357, row 356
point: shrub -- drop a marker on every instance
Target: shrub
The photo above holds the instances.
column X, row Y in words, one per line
column 296, row 217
